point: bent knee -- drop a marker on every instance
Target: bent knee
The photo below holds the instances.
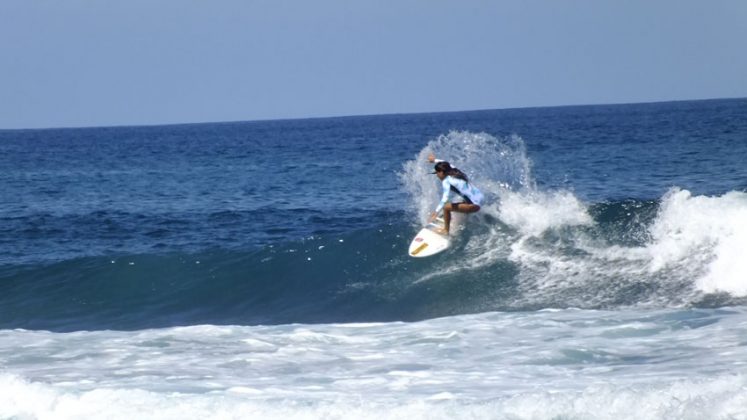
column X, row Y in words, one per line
column 469, row 208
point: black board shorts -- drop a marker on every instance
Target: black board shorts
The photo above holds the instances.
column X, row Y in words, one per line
column 465, row 200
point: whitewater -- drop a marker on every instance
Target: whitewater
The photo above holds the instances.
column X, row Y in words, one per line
column 553, row 363
column 145, row 274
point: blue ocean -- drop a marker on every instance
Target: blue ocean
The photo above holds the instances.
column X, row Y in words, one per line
column 260, row 269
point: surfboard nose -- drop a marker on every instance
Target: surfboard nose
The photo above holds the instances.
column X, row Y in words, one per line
column 428, row 241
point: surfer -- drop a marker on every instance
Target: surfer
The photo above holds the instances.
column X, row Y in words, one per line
column 454, row 180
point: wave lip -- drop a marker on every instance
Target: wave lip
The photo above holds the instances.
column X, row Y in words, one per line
column 710, row 232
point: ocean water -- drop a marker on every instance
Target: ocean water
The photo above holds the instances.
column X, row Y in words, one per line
column 260, row 269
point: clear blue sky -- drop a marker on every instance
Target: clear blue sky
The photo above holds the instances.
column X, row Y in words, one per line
column 107, row 62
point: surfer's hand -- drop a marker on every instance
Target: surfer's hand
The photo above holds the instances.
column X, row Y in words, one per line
column 431, row 158
column 433, row 216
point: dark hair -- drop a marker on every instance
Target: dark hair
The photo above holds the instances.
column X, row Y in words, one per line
column 446, row 168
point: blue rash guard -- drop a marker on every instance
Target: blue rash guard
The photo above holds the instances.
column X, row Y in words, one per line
column 464, row 189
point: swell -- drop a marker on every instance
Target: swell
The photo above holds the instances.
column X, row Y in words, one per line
column 46, row 237
column 340, row 278
column 612, row 260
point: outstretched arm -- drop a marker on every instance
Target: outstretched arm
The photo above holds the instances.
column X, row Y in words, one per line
column 432, row 159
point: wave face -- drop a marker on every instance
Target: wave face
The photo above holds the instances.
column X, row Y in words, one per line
column 529, row 248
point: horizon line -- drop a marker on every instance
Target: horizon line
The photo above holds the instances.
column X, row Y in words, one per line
column 281, row 119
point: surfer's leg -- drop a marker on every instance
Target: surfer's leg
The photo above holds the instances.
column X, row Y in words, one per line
column 465, row 208
column 459, row 208
column 447, row 217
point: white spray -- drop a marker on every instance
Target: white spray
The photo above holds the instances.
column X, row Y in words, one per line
column 696, row 244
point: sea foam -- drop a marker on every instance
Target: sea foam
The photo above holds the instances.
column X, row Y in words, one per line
column 554, row 363
column 719, row 398
column 704, row 230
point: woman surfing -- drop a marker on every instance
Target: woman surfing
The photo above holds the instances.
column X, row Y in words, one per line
column 454, row 181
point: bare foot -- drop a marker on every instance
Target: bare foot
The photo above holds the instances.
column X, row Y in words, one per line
column 442, row 231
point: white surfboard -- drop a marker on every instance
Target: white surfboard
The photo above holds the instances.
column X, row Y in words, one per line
column 428, row 242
